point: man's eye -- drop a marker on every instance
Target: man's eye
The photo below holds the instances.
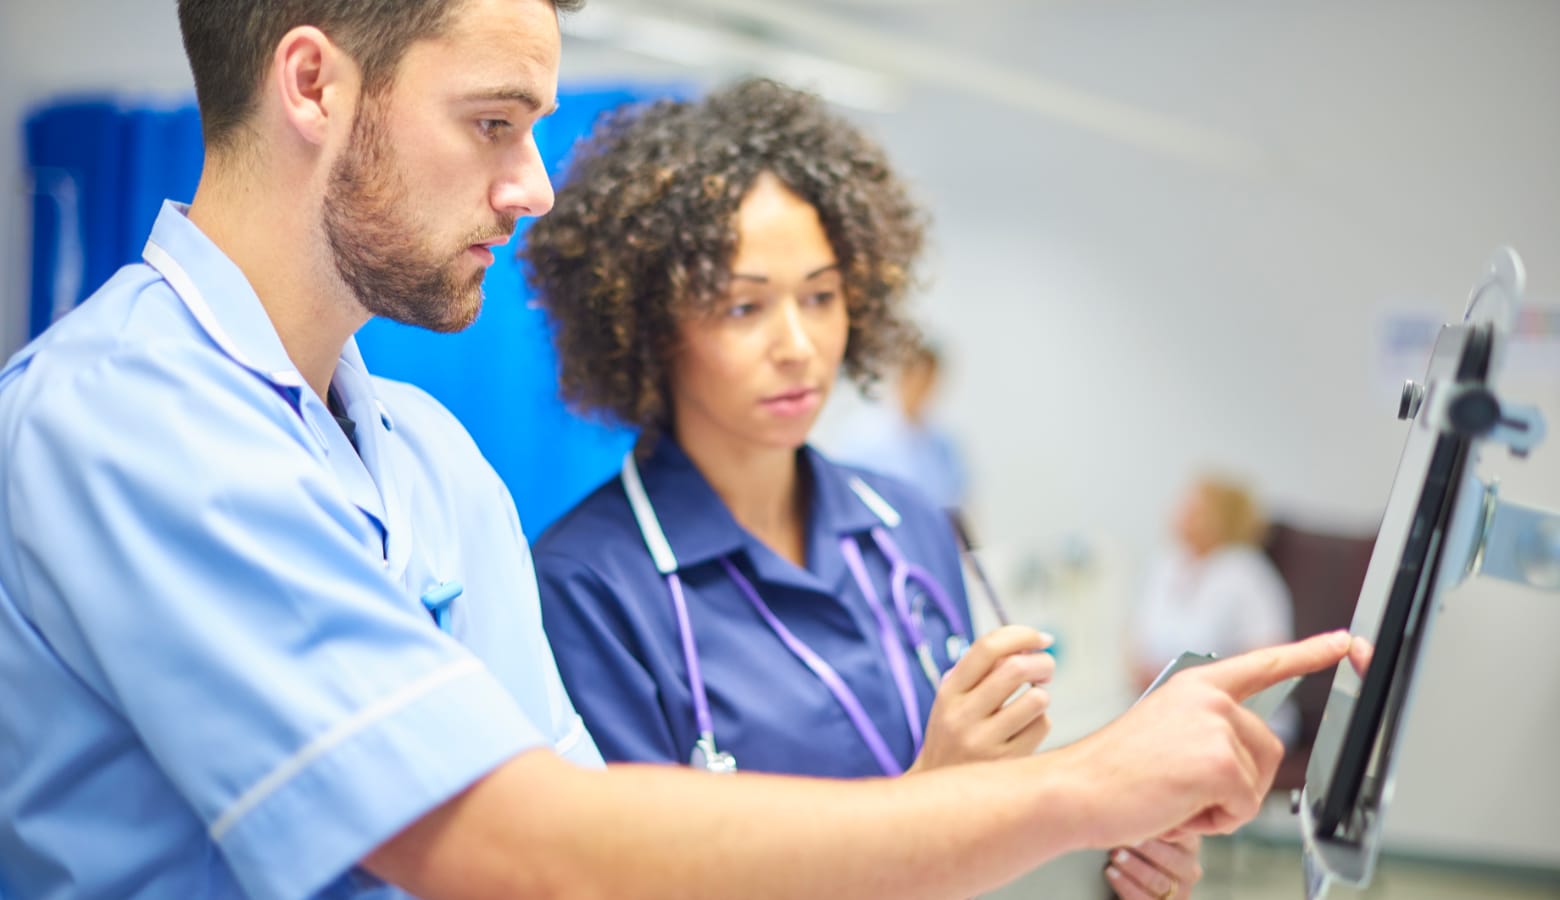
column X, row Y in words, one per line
column 492, row 128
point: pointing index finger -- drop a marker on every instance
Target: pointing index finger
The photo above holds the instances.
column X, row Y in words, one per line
column 1244, row 675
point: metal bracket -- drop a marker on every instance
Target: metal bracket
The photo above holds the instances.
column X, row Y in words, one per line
column 1517, row 543
column 1520, row 428
column 1474, row 410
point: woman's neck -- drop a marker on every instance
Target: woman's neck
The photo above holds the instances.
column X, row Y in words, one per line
column 761, row 486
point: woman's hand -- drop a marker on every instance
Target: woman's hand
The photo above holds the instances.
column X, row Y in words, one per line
column 972, row 718
column 1160, row 869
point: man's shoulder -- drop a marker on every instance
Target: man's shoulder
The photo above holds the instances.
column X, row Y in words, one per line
column 130, row 353
column 134, row 319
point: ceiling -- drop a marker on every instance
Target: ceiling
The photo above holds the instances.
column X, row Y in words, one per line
column 876, row 55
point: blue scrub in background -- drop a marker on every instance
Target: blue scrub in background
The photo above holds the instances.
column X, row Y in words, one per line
column 612, row 624
column 220, row 677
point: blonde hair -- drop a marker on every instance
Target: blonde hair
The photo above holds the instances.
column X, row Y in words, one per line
column 1234, row 514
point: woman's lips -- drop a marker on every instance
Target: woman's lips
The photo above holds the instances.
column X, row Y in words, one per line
column 793, row 403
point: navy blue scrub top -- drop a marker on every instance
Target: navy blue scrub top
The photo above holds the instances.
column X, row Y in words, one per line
column 609, row 616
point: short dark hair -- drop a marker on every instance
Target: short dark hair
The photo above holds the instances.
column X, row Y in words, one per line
column 229, row 44
column 643, row 232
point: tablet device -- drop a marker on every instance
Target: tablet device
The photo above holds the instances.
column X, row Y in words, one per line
column 1264, row 702
column 1427, row 533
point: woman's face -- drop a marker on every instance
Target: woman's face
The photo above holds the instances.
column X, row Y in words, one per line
column 1194, row 522
column 755, row 373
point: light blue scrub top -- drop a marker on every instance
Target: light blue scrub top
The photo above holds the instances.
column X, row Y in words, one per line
column 610, row 618
column 216, row 674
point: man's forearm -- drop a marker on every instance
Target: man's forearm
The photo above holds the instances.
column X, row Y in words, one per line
column 540, row 827
column 1188, row 759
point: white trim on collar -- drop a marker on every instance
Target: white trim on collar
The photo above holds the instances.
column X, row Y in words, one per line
column 184, row 286
column 874, row 501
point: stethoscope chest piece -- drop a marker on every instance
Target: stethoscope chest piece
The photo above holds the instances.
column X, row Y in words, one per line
column 706, row 757
column 956, row 646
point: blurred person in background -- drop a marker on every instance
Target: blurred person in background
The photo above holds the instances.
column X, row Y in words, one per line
column 1216, row 591
column 900, row 437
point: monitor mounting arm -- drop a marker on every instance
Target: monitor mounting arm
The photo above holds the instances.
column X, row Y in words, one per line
column 1513, row 542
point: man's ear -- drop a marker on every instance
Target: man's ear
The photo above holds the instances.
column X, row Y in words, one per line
column 315, row 83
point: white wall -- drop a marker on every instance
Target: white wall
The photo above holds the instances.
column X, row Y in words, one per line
column 1116, row 318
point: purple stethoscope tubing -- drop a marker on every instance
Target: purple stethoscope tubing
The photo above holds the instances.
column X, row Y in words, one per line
column 831, row 679
column 903, row 575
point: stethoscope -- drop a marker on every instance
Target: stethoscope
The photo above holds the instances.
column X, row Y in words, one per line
column 899, row 617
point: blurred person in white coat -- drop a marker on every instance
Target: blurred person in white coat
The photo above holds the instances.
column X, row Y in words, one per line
column 1216, row 591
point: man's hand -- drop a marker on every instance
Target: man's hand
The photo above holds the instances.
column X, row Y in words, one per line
column 969, row 721
column 1360, row 654
column 1188, row 759
column 1160, row 869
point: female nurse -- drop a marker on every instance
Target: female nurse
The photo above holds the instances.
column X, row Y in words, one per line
column 732, row 598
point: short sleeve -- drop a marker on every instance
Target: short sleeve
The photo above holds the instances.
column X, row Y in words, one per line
column 184, row 549
column 598, row 654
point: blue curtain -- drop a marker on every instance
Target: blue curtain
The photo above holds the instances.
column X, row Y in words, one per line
column 102, row 168
column 100, row 171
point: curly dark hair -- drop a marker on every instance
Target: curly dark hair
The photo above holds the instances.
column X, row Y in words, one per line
column 643, row 232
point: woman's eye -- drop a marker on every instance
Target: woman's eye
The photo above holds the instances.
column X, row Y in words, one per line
column 821, row 298
column 741, row 309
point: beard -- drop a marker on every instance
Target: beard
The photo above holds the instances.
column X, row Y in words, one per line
column 375, row 241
